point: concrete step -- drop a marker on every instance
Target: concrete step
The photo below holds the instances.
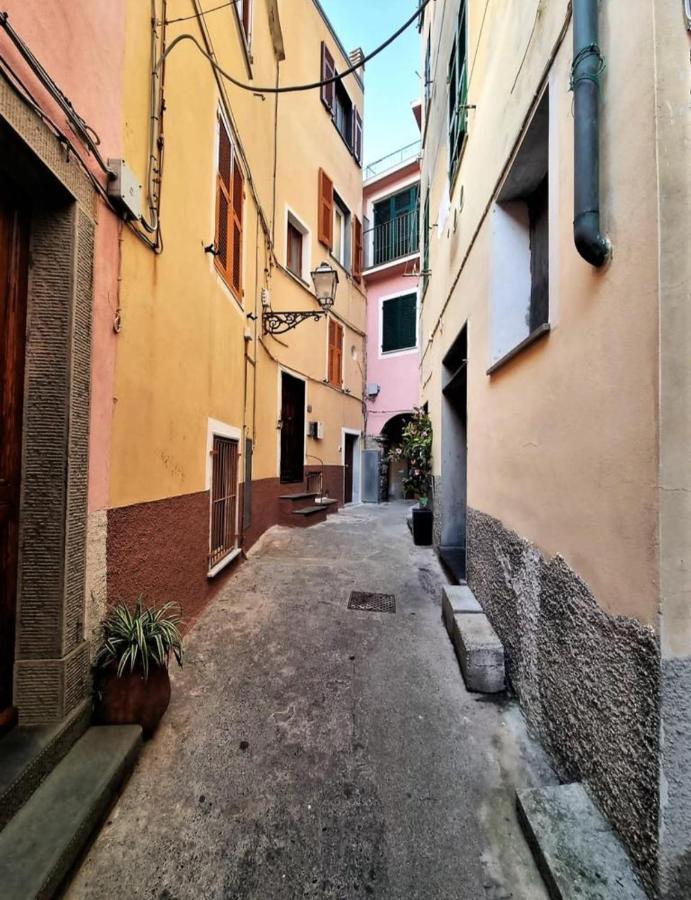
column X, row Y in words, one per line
column 329, row 503
column 29, row 753
column 480, row 653
column 43, row 840
column 576, row 850
column 457, row 598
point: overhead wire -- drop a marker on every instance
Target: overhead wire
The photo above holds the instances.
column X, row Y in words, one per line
column 294, row 88
column 204, row 12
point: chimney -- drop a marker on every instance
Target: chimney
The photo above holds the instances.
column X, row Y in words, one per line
column 356, row 57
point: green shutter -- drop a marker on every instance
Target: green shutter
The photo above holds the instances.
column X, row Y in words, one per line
column 399, row 331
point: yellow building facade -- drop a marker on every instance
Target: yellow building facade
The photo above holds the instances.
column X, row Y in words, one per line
column 245, row 193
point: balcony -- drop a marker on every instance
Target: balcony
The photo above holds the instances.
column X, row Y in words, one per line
column 393, row 160
column 392, row 240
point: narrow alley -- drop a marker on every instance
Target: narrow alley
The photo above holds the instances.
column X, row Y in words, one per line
column 315, row 751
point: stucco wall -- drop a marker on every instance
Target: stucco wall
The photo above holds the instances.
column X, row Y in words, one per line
column 397, row 373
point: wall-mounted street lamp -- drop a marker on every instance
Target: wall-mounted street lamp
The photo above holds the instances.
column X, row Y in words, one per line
column 325, row 281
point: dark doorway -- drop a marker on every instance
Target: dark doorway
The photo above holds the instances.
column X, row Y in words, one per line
column 454, row 475
column 14, row 267
column 292, row 428
column 349, row 461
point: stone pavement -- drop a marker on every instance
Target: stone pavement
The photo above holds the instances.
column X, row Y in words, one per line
column 315, row 751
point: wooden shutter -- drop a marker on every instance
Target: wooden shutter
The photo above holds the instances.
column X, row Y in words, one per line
column 247, row 17
column 328, row 70
column 357, row 136
column 326, row 210
column 399, row 325
column 223, row 191
column 236, row 227
column 335, row 353
column 357, row 249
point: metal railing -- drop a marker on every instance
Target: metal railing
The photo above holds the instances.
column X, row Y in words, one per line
column 392, row 240
column 393, row 160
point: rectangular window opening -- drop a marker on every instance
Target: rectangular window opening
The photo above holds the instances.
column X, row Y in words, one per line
column 341, row 233
column 399, row 323
column 520, row 246
column 458, row 90
column 296, row 245
column 224, row 495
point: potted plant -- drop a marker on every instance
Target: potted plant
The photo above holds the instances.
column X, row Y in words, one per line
column 132, row 682
column 416, row 448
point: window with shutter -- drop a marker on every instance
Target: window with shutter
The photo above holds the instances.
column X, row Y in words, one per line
column 335, row 373
column 230, row 186
column 458, row 90
column 357, row 136
column 328, row 70
column 399, row 325
column 244, row 9
column 357, row 249
column 325, row 211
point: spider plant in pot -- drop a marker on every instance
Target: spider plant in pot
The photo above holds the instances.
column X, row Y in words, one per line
column 132, row 683
column 416, row 448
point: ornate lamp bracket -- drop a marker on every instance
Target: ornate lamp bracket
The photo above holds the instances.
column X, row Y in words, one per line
column 280, row 322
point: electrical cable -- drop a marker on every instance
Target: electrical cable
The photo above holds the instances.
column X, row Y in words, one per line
column 204, row 12
column 294, row 88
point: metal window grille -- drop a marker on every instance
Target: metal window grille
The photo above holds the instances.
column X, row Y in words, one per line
column 224, row 491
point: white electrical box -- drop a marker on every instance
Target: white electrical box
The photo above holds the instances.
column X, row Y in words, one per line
column 316, row 430
column 124, row 189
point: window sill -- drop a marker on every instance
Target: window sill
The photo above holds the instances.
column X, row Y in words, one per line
column 226, row 561
column 300, row 280
column 526, row 342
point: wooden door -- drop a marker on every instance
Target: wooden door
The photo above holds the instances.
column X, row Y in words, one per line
column 292, row 428
column 14, row 264
column 348, row 467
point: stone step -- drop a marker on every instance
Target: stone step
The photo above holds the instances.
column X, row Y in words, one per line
column 457, row 598
column 295, row 498
column 45, row 837
column 28, row 753
column 480, row 653
column 577, row 852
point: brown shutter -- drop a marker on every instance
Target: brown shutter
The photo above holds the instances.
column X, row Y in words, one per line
column 326, row 209
column 223, row 188
column 335, row 353
column 357, row 249
column 328, row 70
column 236, row 226
column 246, row 17
column 357, row 135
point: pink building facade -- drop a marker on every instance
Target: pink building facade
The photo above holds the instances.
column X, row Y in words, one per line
column 392, row 264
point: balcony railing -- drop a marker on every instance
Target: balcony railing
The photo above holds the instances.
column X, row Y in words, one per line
column 393, row 160
column 392, row 240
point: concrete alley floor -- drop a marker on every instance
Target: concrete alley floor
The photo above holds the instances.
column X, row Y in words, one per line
column 314, row 751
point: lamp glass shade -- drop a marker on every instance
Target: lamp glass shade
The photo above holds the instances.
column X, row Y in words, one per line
column 325, row 280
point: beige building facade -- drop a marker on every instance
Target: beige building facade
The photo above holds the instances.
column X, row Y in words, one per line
column 559, row 389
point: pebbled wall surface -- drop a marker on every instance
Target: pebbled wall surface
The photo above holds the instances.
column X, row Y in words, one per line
column 588, row 681
column 675, row 781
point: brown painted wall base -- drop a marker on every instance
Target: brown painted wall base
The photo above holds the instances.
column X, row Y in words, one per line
column 160, row 549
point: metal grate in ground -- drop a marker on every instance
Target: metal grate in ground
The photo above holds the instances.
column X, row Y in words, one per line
column 369, row 602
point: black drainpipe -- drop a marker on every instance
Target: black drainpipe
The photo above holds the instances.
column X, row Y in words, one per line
column 588, row 65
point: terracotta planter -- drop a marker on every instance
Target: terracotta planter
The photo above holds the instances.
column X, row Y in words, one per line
column 131, row 700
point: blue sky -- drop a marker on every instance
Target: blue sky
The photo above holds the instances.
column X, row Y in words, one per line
column 390, row 79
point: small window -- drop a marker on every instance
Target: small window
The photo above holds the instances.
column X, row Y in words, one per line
column 341, row 233
column 399, row 323
column 335, row 374
column 519, row 293
column 224, row 493
column 296, row 247
column 425, row 243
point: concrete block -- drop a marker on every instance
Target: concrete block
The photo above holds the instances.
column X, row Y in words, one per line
column 43, row 840
column 480, row 653
column 455, row 599
column 576, row 850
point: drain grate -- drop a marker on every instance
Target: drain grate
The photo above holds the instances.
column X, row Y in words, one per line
column 369, row 602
